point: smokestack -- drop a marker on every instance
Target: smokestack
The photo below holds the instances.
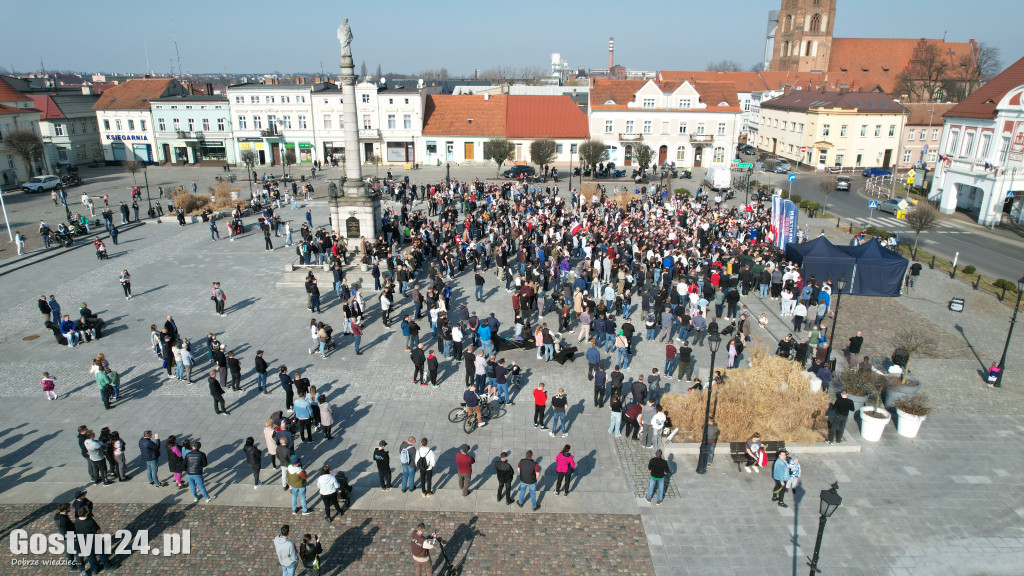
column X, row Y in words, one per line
column 611, row 52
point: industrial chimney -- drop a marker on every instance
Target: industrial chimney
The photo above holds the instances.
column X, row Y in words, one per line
column 611, row 52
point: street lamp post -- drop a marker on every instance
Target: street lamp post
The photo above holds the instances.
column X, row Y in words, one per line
column 841, row 284
column 714, row 341
column 448, row 175
column 830, row 502
column 570, row 169
column 145, row 175
column 1009, row 333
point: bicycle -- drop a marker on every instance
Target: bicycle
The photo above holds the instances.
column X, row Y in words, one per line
column 469, row 423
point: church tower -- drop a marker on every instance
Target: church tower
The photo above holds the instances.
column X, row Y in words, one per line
column 803, row 39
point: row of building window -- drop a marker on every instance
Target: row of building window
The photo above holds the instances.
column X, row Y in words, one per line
column 120, row 127
column 967, row 149
column 271, row 99
column 683, row 103
column 648, row 127
column 69, row 129
column 826, row 129
column 924, row 134
column 176, row 123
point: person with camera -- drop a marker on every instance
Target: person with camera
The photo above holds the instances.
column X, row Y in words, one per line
column 309, row 553
column 421, row 547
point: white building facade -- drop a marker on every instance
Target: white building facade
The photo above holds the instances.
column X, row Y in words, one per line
column 194, row 129
column 273, row 121
column 980, row 166
column 692, row 125
column 126, row 119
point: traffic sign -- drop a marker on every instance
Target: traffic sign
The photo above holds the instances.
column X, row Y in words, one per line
column 803, row 149
column 792, row 177
column 911, row 173
column 910, row 179
column 901, row 214
column 872, row 204
column 744, row 165
column 1010, row 194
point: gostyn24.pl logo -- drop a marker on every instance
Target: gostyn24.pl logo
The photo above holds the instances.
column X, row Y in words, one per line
column 122, row 543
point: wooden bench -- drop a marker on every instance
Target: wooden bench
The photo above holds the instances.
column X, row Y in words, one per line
column 738, row 451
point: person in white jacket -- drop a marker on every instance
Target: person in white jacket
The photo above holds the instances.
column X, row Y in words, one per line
column 425, row 461
column 328, row 486
column 657, row 425
column 287, row 555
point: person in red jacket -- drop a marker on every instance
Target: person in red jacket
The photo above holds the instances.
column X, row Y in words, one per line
column 464, row 464
column 540, row 401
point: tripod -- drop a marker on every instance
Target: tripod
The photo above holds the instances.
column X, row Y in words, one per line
column 444, row 554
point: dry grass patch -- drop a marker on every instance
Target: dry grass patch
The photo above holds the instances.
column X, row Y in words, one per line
column 755, row 400
column 220, row 192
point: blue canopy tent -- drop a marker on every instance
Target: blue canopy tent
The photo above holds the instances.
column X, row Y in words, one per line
column 823, row 260
column 878, row 272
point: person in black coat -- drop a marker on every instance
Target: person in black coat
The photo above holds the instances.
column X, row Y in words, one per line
column 383, row 461
column 218, row 394
column 255, row 459
column 235, row 367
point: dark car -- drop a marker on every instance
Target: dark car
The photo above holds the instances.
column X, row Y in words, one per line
column 748, row 149
column 520, row 171
column 843, row 183
column 876, row 172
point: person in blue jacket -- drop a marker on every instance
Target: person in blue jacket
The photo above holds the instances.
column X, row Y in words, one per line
column 781, row 473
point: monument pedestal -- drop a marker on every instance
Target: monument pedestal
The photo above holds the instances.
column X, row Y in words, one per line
column 355, row 213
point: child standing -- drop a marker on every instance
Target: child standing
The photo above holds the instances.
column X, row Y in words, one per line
column 49, row 383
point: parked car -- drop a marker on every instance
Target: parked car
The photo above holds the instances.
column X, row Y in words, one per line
column 843, row 183
column 41, row 184
column 518, row 171
column 893, row 205
column 782, row 167
column 876, row 172
column 748, row 149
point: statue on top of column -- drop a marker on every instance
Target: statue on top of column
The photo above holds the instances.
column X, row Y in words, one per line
column 345, row 38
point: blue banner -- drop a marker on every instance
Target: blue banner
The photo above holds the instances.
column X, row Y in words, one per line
column 784, row 223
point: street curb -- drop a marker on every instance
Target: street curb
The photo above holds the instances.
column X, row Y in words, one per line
column 30, row 259
column 693, row 448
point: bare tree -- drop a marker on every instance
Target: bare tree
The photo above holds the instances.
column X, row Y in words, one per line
column 757, row 67
column 500, row 150
column 378, row 72
column 26, row 145
column 288, row 159
column 543, row 152
column 725, row 65
column 592, row 152
column 925, row 77
column 973, row 70
column 921, row 219
column 826, row 186
column 643, row 153
column 132, row 167
column 913, row 341
column 249, row 160
column 362, row 71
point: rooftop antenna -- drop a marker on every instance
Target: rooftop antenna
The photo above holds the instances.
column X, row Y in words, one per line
column 145, row 45
column 943, row 35
column 42, row 67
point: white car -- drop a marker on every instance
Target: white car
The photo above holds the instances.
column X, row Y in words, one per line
column 41, row 184
column 893, row 205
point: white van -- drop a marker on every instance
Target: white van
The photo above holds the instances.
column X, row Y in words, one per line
column 718, row 178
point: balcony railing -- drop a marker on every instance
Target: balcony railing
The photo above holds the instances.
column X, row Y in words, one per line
column 369, row 133
column 630, row 137
column 270, row 132
column 701, row 138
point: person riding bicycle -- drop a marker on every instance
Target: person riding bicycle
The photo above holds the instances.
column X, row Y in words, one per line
column 473, row 404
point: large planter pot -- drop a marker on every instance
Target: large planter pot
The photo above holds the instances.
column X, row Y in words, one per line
column 895, row 394
column 872, row 423
column 858, row 401
column 363, row 266
column 908, row 424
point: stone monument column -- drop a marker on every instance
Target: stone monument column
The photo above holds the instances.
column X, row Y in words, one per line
column 355, row 208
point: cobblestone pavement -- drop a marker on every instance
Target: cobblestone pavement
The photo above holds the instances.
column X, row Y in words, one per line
column 925, row 494
column 239, row 540
column 634, row 458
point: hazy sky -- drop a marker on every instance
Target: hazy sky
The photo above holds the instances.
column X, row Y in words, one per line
column 411, row 36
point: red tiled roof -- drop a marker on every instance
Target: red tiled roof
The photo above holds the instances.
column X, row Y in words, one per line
column 779, row 80
column 450, row 115
column 982, row 103
column 743, row 81
column 544, row 117
column 134, row 94
column 9, row 94
column 49, row 108
column 5, row 109
column 607, row 94
column 921, row 112
column 870, row 62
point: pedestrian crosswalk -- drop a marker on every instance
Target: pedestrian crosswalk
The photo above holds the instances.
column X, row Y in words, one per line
column 889, row 222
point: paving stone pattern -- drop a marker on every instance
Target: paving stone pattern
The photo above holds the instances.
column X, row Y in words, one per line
column 634, row 458
column 239, row 540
